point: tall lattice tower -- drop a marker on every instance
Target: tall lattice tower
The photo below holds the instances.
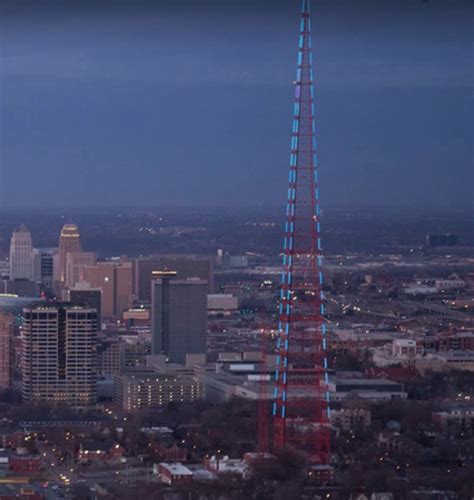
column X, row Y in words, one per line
column 301, row 401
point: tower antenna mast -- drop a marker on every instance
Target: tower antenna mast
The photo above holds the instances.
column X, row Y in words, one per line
column 300, row 408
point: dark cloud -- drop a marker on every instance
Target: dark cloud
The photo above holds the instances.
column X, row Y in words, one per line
column 121, row 102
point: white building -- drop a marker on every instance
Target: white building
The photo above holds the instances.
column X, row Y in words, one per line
column 172, row 473
column 21, row 255
column 225, row 465
column 420, row 289
column 372, row 389
column 403, row 351
column 145, row 387
column 406, row 349
column 222, row 302
column 452, row 283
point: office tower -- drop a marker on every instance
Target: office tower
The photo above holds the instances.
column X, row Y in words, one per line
column 115, row 281
column 119, row 354
column 187, row 266
column 6, row 338
column 56, row 270
column 85, row 296
column 123, row 288
column 69, row 241
column 134, row 352
column 75, row 262
column 109, row 357
column 43, row 266
column 21, row 255
column 22, row 288
column 179, row 316
column 102, row 276
column 4, row 269
column 59, row 362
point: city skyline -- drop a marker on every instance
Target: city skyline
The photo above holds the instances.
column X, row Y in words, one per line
column 183, row 335
column 197, row 102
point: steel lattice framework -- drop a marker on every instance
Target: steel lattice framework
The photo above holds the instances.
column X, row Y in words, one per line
column 301, row 400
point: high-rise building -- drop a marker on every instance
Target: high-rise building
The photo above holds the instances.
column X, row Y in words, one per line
column 22, row 288
column 43, row 266
column 85, row 296
column 59, row 359
column 69, row 241
column 6, row 337
column 187, row 266
column 75, row 262
column 21, row 255
column 123, row 288
column 115, row 281
column 102, row 276
column 4, row 269
column 179, row 316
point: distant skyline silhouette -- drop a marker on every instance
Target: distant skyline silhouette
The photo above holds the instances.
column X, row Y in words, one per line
column 136, row 103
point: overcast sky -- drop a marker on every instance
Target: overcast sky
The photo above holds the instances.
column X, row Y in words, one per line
column 188, row 102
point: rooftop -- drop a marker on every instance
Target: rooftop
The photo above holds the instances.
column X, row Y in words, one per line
column 176, row 469
column 365, row 381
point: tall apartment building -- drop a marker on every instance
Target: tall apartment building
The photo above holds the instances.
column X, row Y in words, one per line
column 59, row 361
column 69, row 241
column 6, row 341
column 115, row 281
column 186, row 266
column 179, row 316
column 21, row 255
column 75, row 262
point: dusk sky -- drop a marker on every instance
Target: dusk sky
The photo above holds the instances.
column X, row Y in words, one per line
column 188, row 102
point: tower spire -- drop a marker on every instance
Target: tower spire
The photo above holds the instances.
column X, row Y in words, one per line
column 301, row 403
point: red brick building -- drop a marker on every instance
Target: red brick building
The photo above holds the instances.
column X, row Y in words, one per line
column 100, row 451
column 11, row 438
column 25, row 465
column 460, row 341
column 172, row 453
column 174, row 473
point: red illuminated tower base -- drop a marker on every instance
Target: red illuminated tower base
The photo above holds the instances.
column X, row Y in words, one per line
column 301, row 403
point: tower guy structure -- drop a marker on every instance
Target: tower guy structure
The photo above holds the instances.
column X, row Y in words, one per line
column 300, row 407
